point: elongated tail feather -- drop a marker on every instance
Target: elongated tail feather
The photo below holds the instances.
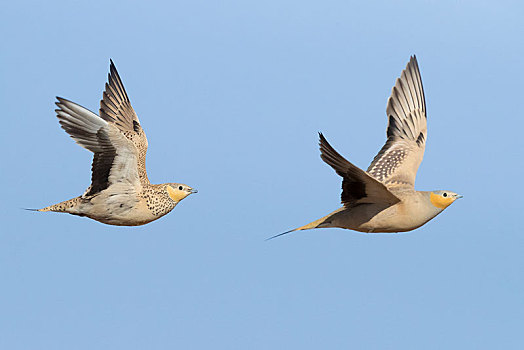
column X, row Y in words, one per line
column 315, row 224
column 68, row 206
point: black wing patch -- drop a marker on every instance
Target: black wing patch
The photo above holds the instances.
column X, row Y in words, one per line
column 352, row 190
column 102, row 164
column 357, row 185
column 421, row 139
column 136, row 126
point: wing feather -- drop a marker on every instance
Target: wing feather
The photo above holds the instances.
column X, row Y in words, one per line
column 115, row 108
column 115, row 157
column 357, row 186
column 396, row 164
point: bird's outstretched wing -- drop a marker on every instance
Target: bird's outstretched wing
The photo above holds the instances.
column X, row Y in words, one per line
column 357, row 186
column 115, row 156
column 116, row 108
column 396, row 164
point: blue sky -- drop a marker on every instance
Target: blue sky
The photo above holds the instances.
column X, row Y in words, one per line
column 231, row 95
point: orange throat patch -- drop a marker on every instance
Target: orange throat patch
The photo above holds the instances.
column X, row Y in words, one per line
column 175, row 195
column 439, row 201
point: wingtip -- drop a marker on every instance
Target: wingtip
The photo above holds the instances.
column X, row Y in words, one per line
column 112, row 69
column 413, row 61
column 60, row 102
column 321, row 138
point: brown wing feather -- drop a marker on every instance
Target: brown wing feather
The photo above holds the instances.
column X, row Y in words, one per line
column 114, row 157
column 102, row 164
column 116, row 108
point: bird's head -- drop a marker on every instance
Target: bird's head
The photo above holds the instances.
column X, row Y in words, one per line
column 442, row 199
column 177, row 192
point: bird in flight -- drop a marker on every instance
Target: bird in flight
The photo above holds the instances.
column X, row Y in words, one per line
column 120, row 192
column 383, row 198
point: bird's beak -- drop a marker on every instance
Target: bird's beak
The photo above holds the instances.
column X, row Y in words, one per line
column 458, row 196
column 194, row 190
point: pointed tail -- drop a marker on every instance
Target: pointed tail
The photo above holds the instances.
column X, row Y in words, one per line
column 315, row 224
column 62, row 207
column 281, row 234
column 43, row 209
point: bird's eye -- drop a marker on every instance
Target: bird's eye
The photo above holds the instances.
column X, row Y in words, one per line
column 445, row 194
column 180, row 188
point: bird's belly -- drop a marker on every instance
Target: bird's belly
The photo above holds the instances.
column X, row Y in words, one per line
column 119, row 211
column 391, row 219
column 397, row 224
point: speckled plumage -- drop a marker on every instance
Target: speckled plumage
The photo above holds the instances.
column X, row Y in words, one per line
column 383, row 198
column 120, row 192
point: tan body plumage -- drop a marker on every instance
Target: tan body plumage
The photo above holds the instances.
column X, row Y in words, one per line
column 413, row 211
column 120, row 192
column 383, row 198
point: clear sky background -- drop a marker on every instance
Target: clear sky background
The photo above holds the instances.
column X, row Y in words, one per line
column 231, row 95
